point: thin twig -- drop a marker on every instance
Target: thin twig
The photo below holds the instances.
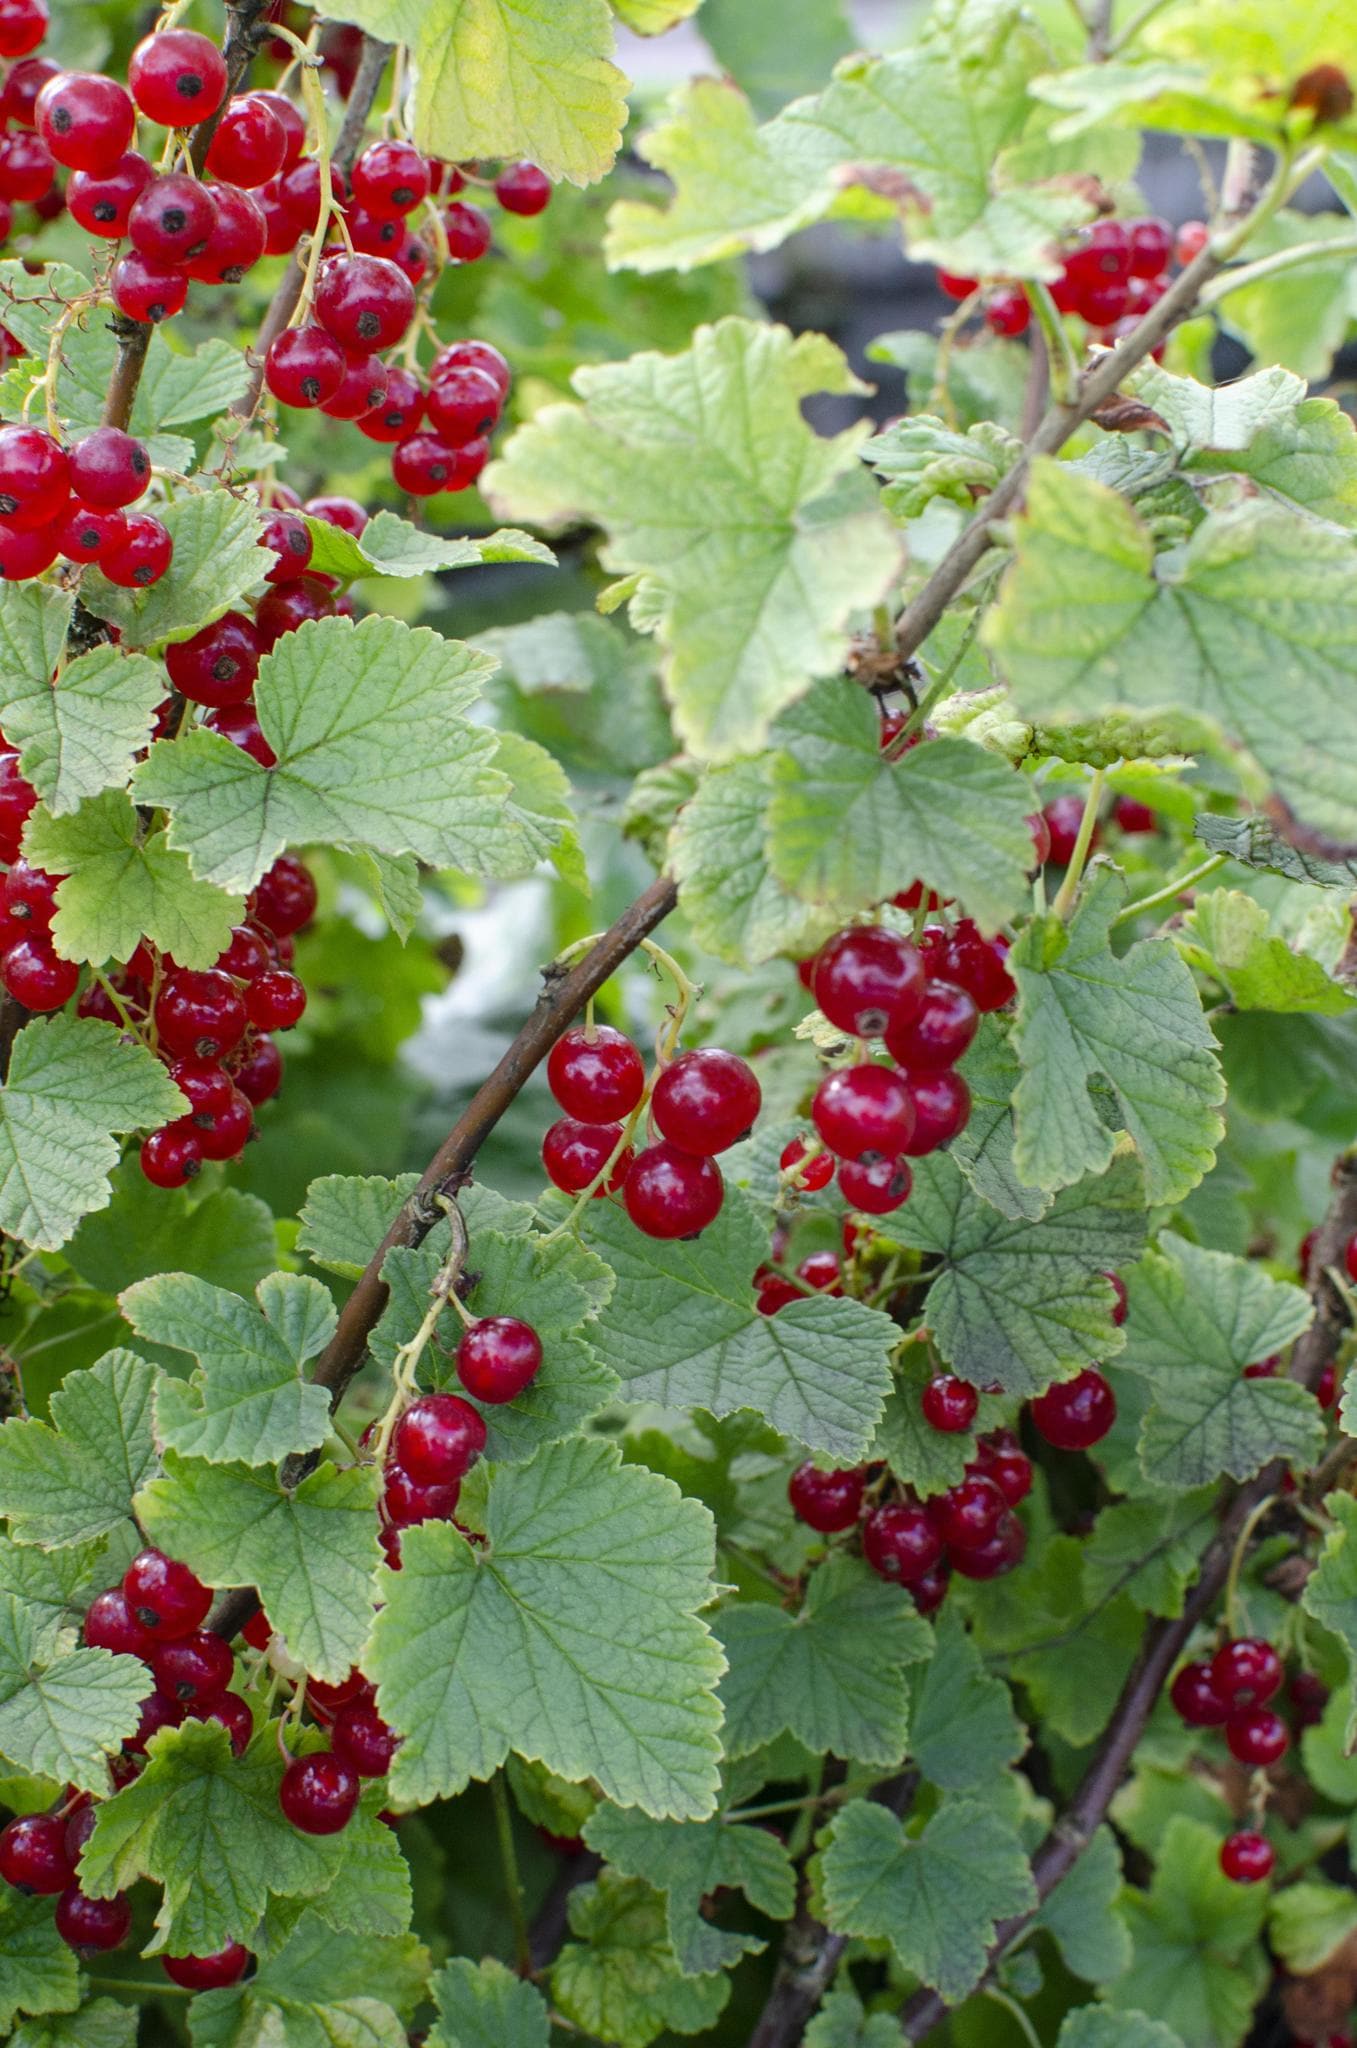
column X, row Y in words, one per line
column 513, row 1884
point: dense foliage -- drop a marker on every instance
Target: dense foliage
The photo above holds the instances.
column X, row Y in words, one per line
column 794, row 1484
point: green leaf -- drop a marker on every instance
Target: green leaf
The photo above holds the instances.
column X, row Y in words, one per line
column 1021, row 1301
column 1069, row 1656
column 1196, row 1318
column 755, row 506
column 486, row 2006
column 735, row 904
column 1148, row 1549
column 1087, row 617
column 984, row 1150
column 217, row 559
column 1229, row 936
column 56, row 1580
column 477, row 1652
column 178, row 387
column 317, row 1991
column 1082, row 1913
column 928, row 1459
column 682, row 1330
column 1330, row 1594
column 1308, row 1921
column 1093, row 2026
column 583, row 687
column 225, row 1238
column 38, row 1971
column 346, row 1216
column 73, row 1479
column 833, row 1674
column 103, row 2023
column 922, row 458
column 1300, row 317
column 936, row 1897
column 539, row 809
column 688, row 1861
column 964, row 1731
column 311, row 1553
column 1132, row 1023
column 391, row 546
column 1197, row 1962
column 81, row 736
column 73, row 1082
column 842, row 2023
column 62, row 1712
column 1224, row 420
column 208, row 1827
column 329, row 697
column 121, row 887
column 813, row 36
column 248, row 1401
column 847, row 829
column 620, row 1981
column 1252, row 841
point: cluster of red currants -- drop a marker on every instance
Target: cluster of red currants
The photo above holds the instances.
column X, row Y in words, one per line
column 74, row 502
column 1115, row 272
column 701, row 1103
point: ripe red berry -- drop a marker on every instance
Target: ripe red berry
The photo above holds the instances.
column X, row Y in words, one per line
column 304, row 366
column 1246, row 1672
column 826, row 1501
column 869, row 980
column 172, row 1156
column 110, row 1624
column 424, row 464
column 178, row 77
column 462, row 404
column 19, row 94
column 33, row 1854
column 900, row 1542
column 864, row 1112
column 498, row 1357
column 362, row 388
column 35, row 478
column 1193, row 1693
column 23, row 24
column 35, row 976
column 27, row 170
column 929, row 1592
column 208, row 1973
column 1192, row 238
column 706, row 1101
column 574, row 1154
column 288, row 538
column 999, row 1457
column 275, row 1001
column 171, row 218
column 258, row 1070
column 249, row 145
column 1003, row 1552
column 142, row 556
column 467, row 230
column 942, row 1104
column 877, row 1189
column 1008, row 311
column 672, row 1194
column 363, row 1739
column 285, row 898
column 200, row 1012
column 86, row 121
column 1119, row 1305
column 247, row 955
column 319, row 1793
column 326, row 1696
column 1063, row 816
column 156, row 1713
column 473, row 355
column 774, row 1291
column 521, row 188
column 239, row 237
column 166, row 1597
column 407, row 1501
column 219, row 664
column 596, row 1074
column 1255, row 1735
column 968, row 1515
column 391, row 177
column 1308, row 1695
column 146, row 291
column 1246, row 1857
column 400, row 411
column 365, row 302
column 949, row 1403
column 101, row 202
column 939, row 1034
column 192, row 1667
column 816, row 1172
column 290, row 119
column 17, row 799
column 954, row 286
column 978, row 965
column 822, row 1272
column 1151, row 241
column 1076, row 1414
column 438, row 1439
column 85, row 1923
column 231, row 1712
column 85, row 534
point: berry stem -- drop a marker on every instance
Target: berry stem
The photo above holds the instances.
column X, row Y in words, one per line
column 1015, row 2011
column 1282, row 260
column 1060, row 356
column 513, row 1886
column 1237, row 1556
column 405, row 1364
column 1069, row 888
column 1171, row 890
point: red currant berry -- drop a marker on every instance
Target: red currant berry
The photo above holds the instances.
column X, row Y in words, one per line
column 142, row 556
column 101, row 202
column 473, row 355
column 365, row 302
column 1257, row 1736
column 816, row 1172
column 33, row 1854
column 425, row 464
column 199, row 1012
column 774, row 1291
column 1041, row 839
column 150, row 292
column 173, row 217
column 178, row 77
column 1191, row 239
column 231, row 1712
column 35, row 976
column 275, row 1001
column 110, row 1624
column 17, row 799
column 949, row 1403
column 1308, row 1695
column 522, row 188
column 1008, row 311
column 969, row 1514
column 1246, row 1857
column 86, row 121
column 706, row 1101
column 19, row 94
column 462, row 404
column 289, row 605
column 929, row 1592
column 208, row 1087
column 259, row 1071
column 285, row 898
column 953, row 286
column 344, row 513
column 362, row 390
column 219, row 664
column 239, row 724
column 166, row 1597
column 85, row 1923
column 85, row 535
column 498, row 1357
column 407, row 1501
column 80, row 1820
column 192, row 1666
column 1326, row 1391
column 156, row 1713
column 1000, row 1458
column 23, row 24
column 941, row 1104
column 288, row 538
column 574, row 1154
column 362, row 1738
column 27, row 554
column 304, row 366
column 869, row 980
column 325, row 1697
column 1132, row 817
column 467, row 230
column 391, row 178
column 171, row 1157
column 238, row 239
column 1003, row 1552
column 980, row 966
column 319, row 1793
column 672, row 1194
column 249, row 145
column 1077, row 1413
column 1193, row 1693
column 596, row 1074
column 864, row 1112
column 877, row 1189
column 35, row 478
column 208, row 1973
column 439, row 1438
column 826, row 1501
column 27, row 171
column 1119, row 1305
column 1246, row 1672
column 290, row 119
column 822, row 1273
column 248, row 954
column 1064, row 815
column 400, row 411
column 941, row 1031
column 900, row 1542
column 1151, row 242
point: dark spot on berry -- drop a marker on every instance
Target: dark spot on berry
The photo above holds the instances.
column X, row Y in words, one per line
column 188, row 85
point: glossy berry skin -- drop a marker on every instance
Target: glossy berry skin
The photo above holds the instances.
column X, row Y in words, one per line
column 475, row 355
column 178, row 77
column 142, row 556
column 1002, row 1459
column 1120, row 1304
column 208, row 1973
column 304, row 367
column 167, row 1598
column 17, row 799
column 319, row 1793
column 498, row 1357
column 326, row 1696
column 33, row 1854
column 878, row 1189
column 864, row 1112
column 85, row 1923
column 146, row 291
column 827, row 1502
column 35, row 478
column 425, row 464
column 192, row 1667
column 706, row 1101
column 172, row 1157
column 365, row 302
column 672, row 1194
column 980, row 966
column 259, row 1071
column 101, row 202
column 900, row 1542
column 110, row 1624
column 949, row 1404
column 1194, row 1696
column 1151, row 241
column 1008, row 311
column 362, row 389
column 969, row 1514
column 249, row 145
column 521, row 188
column 1246, row 1857
column 362, row 1738
column 239, row 724
column 285, row 898
column 468, row 232
column 23, row 24
column 401, row 410
column 1246, row 1672
column 463, row 403
column 247, row 955
column 86, row 534
column 773, row 1291
column 27, row 171
column 1076, row 1414
column 813, row 1172
column 438, row 1439
column 199, row 1012
column 19, row 94
column 596, row 1075
column 1257, row 1736
column 391, row 178
column 1308, row 1695
column 1063, row 816
column 275, row 1001
column 289, row 538
column 156, row 1713
column 941, row 1104
column 238, row 238
column 231, row 1712
column 1129, row 816
column 1003, row 1552
column 407, row 1501
column 574, row 1154
column 86, row 121
column 28, row 900
column 219, row 664
column 172, row 218
column 869, row 980
column 35, row 976
column 939, row 1034
column 822, row 1273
